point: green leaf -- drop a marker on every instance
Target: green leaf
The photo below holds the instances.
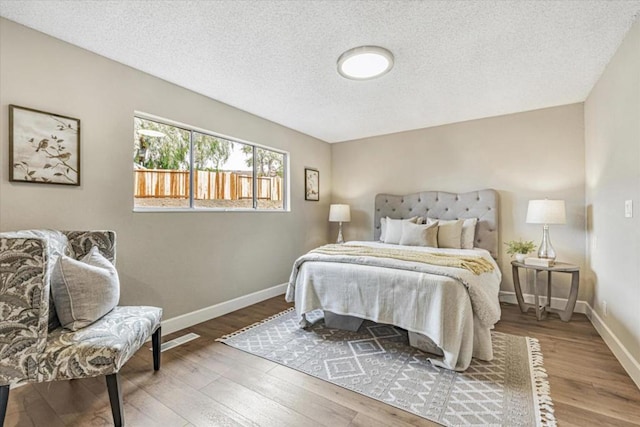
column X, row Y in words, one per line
column 47, row 166
column 31, row 173
column 57, row 174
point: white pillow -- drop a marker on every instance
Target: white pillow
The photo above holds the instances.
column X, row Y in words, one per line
column 383, row 228
column 419, row 234
column 393, row 229
column 468, row 230
column 84, row 290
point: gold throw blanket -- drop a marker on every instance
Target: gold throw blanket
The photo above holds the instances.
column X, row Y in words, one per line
column 476, row 265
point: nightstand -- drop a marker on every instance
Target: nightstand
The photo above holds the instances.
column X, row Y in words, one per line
column 541, row 311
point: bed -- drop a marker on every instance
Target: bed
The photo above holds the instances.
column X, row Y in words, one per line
column 449, row 310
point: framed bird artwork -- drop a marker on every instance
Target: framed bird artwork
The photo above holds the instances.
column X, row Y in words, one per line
column 44, row 147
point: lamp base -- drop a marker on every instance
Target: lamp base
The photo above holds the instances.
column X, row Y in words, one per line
column 340, row 238
column 546, row 250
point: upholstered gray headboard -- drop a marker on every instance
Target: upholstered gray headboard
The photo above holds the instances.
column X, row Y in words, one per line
column 481, row 204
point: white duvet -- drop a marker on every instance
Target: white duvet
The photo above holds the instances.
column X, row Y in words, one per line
column 453, row 307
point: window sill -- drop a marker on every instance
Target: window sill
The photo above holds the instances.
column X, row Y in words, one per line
column 155, row 210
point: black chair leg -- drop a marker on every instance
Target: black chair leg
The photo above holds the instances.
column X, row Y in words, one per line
column 115, row 397
column 4, row 400
column 157, row 355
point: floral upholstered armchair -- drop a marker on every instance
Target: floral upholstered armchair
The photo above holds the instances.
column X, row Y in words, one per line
column 33, row 345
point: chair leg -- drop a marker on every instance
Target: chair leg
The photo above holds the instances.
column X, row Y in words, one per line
column 4, row 400
column 157, row 355
column 115, row 397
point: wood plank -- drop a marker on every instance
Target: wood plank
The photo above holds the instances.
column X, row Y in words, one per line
column 74, row 403
column 375, row 409
column 580, row 417
column 140, row 407
column 204, row 383
column 265, row 411
column 28, row 408
column 319, row 409
column 193, row 405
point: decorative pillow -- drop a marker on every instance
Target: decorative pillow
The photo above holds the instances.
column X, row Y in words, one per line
column 393, row 229
column 468, row 230
column 449, row 233
column 84, row 290
column 383, row 228
column 419, row 235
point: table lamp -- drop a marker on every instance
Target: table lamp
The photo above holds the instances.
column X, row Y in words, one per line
column 340, row 214
column 546, row 212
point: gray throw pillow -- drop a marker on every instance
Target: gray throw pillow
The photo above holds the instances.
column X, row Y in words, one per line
column 84, row 290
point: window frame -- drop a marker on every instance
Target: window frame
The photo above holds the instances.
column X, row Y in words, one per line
column 192, row 208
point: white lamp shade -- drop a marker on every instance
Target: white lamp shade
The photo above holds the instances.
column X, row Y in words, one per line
column 339, row 213
column 546, row 212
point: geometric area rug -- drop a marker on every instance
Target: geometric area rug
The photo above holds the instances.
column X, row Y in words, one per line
column 377, row 361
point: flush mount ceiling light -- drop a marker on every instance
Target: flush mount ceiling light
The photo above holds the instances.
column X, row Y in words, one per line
column 365, row 62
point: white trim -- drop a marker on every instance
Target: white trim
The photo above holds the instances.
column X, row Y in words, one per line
column 197, row 209
column 184, row 321
column 188, row 127
column 628, row 362
column 624, row 356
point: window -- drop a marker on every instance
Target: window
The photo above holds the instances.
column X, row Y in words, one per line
column 176, row 166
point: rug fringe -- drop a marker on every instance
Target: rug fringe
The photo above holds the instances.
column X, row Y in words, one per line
column 253, row 325
column 541, row 390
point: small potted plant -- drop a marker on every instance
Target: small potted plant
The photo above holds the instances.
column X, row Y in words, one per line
column 519, row 248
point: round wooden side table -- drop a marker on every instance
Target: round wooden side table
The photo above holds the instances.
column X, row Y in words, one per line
column 541, row 311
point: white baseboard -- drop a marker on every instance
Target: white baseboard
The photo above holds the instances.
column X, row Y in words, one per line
column 184, row 321
column 628, row 362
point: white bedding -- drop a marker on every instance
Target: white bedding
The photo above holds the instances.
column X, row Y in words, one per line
column 453, row 307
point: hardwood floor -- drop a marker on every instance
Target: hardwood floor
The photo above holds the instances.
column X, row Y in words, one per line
column 205, row 383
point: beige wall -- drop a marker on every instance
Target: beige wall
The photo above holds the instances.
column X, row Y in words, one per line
column 612, row 134
column 180, row 261
column 524, row 156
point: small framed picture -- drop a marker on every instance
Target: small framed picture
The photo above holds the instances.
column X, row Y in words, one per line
column 44, row 148
column 311, row 184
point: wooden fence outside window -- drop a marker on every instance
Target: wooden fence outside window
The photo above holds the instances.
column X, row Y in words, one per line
column 164, row 183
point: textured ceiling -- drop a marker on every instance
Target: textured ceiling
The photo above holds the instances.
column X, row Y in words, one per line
column 454, row 60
